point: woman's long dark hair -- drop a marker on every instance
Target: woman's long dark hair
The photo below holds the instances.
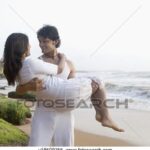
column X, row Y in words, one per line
column 15, row 46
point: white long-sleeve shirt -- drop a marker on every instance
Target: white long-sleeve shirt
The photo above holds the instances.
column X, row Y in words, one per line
column 32, row 67
column 55, row 87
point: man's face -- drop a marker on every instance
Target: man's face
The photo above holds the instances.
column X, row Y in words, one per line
column 46, row 45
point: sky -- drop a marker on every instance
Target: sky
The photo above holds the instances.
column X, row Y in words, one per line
column 95, row 34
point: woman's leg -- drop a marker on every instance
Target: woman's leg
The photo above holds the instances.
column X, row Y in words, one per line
column 77, row 89
column 98, row 99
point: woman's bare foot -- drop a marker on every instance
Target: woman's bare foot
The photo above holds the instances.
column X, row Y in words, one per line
column 110, row 124
column 98, row 117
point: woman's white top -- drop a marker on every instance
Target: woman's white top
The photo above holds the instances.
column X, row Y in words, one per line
column 55, row 88
column 32, row 68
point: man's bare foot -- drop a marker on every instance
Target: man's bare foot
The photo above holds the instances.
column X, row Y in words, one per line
column 110, row 124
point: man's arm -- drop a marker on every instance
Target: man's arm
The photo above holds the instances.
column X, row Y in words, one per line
column 34, row 85
column 72, row 69
column 61, row 63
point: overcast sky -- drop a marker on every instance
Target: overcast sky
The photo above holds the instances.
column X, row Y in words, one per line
column 95, row 34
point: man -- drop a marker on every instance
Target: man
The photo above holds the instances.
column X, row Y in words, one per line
column 50, row 127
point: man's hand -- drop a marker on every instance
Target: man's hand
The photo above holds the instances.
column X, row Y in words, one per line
column 36, row 84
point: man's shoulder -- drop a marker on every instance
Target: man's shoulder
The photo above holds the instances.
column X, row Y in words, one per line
column 69, row 62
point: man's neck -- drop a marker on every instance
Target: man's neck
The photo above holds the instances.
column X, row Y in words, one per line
column 52, row 55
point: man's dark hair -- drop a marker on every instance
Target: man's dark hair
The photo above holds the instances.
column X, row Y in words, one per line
column 49, row 32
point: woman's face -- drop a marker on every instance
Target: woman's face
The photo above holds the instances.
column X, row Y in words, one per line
column 46, row 45
column 28, row 50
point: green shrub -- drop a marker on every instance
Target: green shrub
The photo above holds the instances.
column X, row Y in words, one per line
column 28, row 113
column 13, row 111
column 28, row 96
column 11, row 136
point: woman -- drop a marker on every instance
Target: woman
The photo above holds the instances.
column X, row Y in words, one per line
column 17, row 66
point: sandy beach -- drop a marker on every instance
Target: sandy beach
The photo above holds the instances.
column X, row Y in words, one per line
column 88, row 132
column 86, row 139
column 135, row 123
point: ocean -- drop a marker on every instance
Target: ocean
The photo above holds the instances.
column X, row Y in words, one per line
column 120, row 86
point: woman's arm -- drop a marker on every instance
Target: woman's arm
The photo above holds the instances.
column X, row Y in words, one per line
column 40, row 67
column 72, row 69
